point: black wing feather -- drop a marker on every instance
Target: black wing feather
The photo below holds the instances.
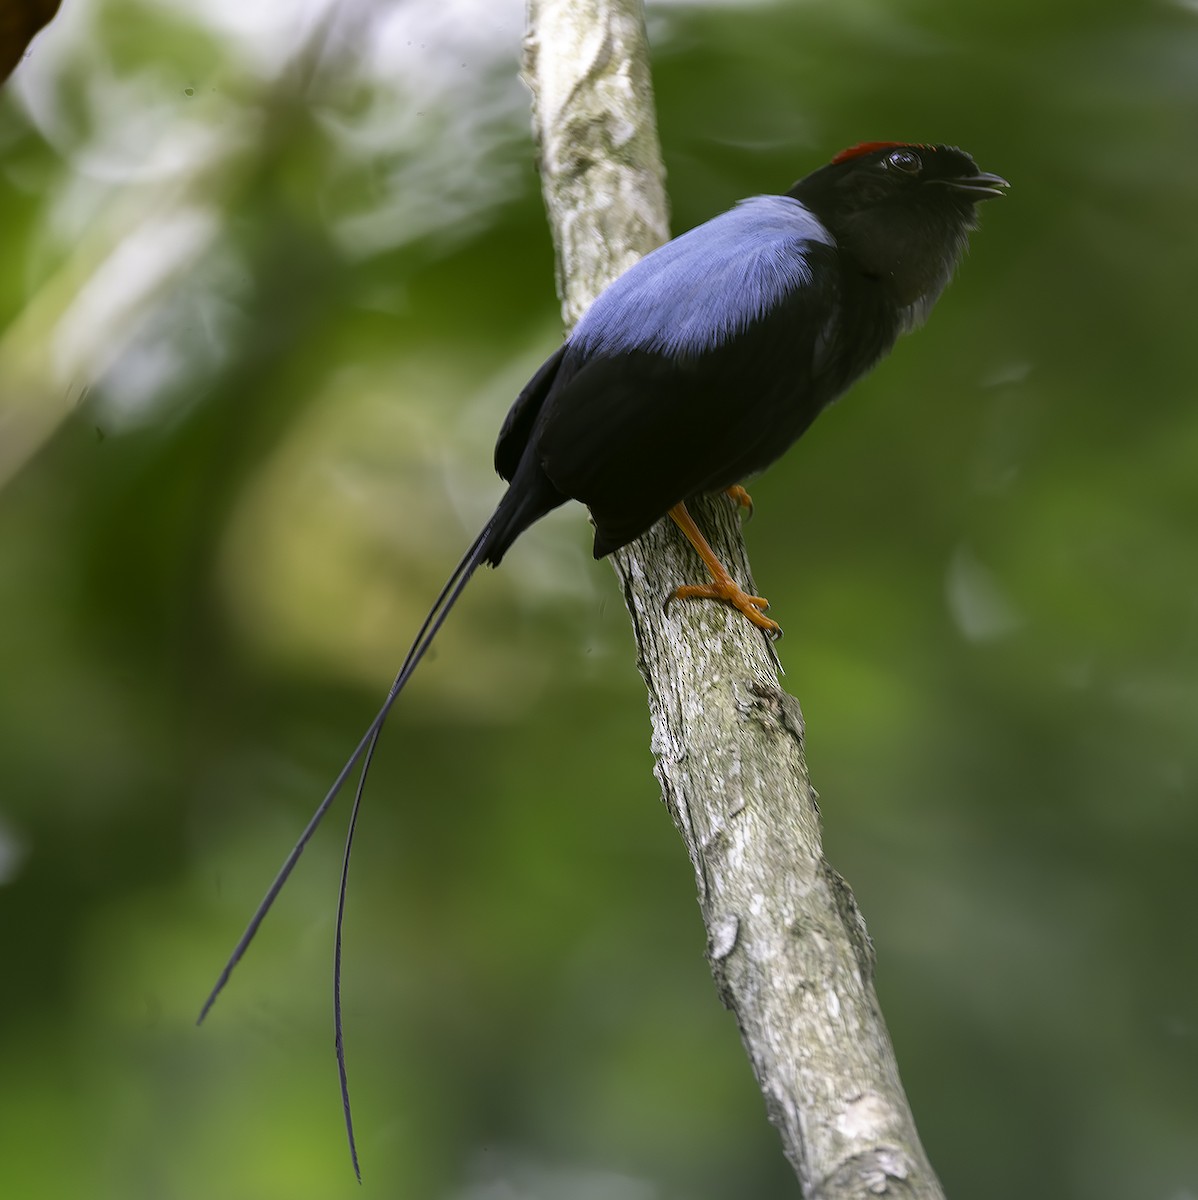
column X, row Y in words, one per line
column 522, row 416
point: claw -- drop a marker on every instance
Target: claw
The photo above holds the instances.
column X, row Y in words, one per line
column 730, row 592
column 740, row 498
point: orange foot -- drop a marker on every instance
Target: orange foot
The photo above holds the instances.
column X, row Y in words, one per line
column 722, row 586
column 730, row 592
column 740, row 498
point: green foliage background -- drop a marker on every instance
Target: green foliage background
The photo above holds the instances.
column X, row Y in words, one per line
column 268, row 280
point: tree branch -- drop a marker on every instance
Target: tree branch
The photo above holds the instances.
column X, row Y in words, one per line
column 787, row 946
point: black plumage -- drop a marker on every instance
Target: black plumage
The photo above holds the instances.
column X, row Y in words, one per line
column 711, row 356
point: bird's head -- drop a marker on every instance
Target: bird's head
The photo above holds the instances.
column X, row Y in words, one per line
column 900, row 212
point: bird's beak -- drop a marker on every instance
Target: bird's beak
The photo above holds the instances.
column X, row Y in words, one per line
column 981, row 186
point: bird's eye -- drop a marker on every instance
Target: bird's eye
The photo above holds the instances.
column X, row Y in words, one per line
column 905, row 160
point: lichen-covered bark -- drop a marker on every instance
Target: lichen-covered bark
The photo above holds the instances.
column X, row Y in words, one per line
column 787, row 946
column 587, row 65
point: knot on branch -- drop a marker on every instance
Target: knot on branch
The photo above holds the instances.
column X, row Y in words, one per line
column 774, row 709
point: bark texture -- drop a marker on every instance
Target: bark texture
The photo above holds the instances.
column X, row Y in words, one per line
column 787, row 946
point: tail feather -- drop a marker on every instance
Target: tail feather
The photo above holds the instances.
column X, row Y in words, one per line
column 478, row 552
column 529, row 498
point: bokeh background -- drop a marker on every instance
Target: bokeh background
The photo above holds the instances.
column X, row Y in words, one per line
column 270, row 274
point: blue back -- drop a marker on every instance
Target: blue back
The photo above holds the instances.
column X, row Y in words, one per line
column 698, row 291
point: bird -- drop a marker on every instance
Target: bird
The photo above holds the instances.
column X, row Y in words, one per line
column 692, row 372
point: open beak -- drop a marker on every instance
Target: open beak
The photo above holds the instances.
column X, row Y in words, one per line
column 981, row 186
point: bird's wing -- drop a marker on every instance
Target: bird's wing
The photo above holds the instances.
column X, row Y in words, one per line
column 694, row 369
column 517, row 425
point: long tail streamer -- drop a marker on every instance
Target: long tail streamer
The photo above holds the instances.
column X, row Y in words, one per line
column 364, row 752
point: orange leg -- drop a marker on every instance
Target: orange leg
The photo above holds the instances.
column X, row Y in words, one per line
column 740, row 497
column 722, row 586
